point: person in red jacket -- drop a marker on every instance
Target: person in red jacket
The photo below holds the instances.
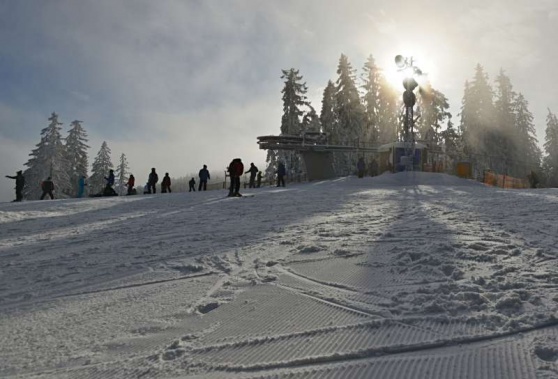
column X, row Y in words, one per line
column 236, row 169
column 130, row 184
column 166, row 183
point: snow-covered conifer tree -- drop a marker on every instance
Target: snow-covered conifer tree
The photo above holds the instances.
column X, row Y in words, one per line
column 328, row 117
column 551, row 149
column 528, row 155
column 371, row 78
column 76, row 154
column 294, row 99
column 48, row 159
column 434, row 114
column 121, row 174
column 477, row 120
column 388, row 109
column 101, row 166
column 350, row 115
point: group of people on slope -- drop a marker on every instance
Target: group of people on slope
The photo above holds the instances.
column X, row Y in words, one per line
column 235, row 170
column 151, row 185
column 47, row 186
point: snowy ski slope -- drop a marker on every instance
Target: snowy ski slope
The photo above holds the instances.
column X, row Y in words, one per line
column 410, row 275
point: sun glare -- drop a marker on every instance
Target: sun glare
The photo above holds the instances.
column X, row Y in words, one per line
column 395, row 75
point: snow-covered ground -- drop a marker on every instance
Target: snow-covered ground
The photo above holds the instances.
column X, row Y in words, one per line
column 411, row 275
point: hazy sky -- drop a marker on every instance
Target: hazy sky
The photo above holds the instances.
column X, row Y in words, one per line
column 178, row 84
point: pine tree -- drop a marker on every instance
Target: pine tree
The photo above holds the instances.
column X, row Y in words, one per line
column 121, row 174
column 434, row 114
column 528, row 154
column 48, row 160
column 76, row 154
column 328, row 116
column 372, row 101
column 388, row 112
column 350, row 114
column 294, row 100
column 551, row 149
column 349, row 107
column 311, row 121
column 101, row 166
column 504, row 142
column 271, row 168
column 477, row 121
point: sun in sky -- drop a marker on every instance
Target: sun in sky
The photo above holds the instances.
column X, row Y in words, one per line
column 415, row 61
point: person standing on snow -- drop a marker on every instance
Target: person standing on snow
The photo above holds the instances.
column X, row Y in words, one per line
column 236, row 169
column 47, row 186
column 152, row 181
column 253, row 170
column 109, row 191
column 192, row 184
column 81, row 186
column 166, row 183
column 281, row 172
column 361, row 167
column 130, row 184
column 204, row 177
column 259, row 180
column 19, row 184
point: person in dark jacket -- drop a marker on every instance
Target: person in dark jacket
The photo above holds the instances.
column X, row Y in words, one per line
column 192, row 184
column 281, row 172
column 47, row 186
column 204, row 177
column 109, row 190
column 166, row 183
column 253, row 170
column 361, row 167
column 19, row 184
column 259, row 180
column 130, row 184
column 152, row 181
column 236, row 169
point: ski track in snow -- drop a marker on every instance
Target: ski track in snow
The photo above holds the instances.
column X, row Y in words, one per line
column 410, row 275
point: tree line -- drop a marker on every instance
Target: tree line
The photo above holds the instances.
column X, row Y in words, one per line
column 65, row 160
column 496, row 130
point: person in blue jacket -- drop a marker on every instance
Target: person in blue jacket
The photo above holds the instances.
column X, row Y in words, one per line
column 81, row 186
column 109, row 191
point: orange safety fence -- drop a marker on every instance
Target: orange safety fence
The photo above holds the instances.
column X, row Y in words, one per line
column 504, row 181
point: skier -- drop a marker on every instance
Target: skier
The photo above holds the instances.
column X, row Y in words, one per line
column 253, row 170
column 166, row 183
column 192, row 184
column 130, row 185
column 236, row 169
column 81, row 186
column 361, row 167
column 47, row 186
column 204, row 177
column 259, row 180
column 281, row 172
column 153, row 179
column 109, row 191
column 19, row 184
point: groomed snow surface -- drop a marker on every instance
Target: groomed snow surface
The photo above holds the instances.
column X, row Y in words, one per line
column 410, row 275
